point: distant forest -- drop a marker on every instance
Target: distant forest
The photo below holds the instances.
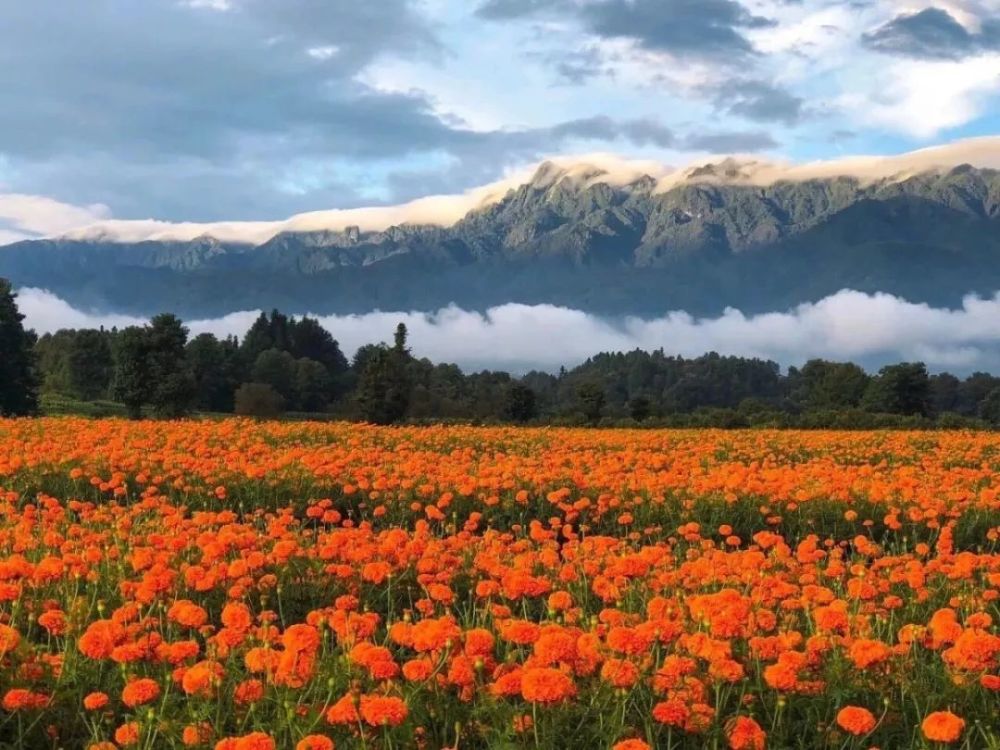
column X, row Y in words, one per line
column 291, row 366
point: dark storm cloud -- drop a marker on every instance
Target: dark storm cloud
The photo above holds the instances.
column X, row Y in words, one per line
column 696, row 28
column 932, row 34
column 760, row 101
column 690, row 28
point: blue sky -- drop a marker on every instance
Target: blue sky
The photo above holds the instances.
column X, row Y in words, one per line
column 257, row 109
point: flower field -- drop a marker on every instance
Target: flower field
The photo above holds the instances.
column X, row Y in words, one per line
column 244, row 586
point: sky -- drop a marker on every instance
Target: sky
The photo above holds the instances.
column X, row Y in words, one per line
column 207, row 110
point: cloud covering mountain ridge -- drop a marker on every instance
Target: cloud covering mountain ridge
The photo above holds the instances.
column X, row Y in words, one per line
column 580, row 171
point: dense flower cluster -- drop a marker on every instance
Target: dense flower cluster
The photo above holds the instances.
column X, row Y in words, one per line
column 244, row 586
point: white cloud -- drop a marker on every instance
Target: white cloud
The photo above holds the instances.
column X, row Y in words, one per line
column 870, row 328
column 323, row 53
column 23, row 216
column 924, row 97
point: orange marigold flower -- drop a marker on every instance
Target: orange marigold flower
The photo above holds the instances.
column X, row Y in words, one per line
column 631, row 745
column 631, row 641
column 379, row 710
column 314, row 742
column 867, row 653
column 344, row 711
column 54, row 621
column 237, row 616
column 95, row 701
column 942, row 726
column 672, row 712
column 19, row 699
column 202, row 678
column 140, row 692
column 620, row 673
column 187, row 613
column 418, row 670
column 255, row 741
column 196, row 734
column 100, row 639
column 127, row 734
column 248, row 691
column 743, row 733
column 546, row 685
column 856, row 720
column 9, row 638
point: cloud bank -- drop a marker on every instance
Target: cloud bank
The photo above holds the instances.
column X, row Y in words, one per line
column 872, row 329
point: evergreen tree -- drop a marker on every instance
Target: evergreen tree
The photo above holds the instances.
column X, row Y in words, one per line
column 591, row 397
column 828, row 385
column 276, row 368
column 214, row 368
column 312, row 385
column 130, row 385
column 639, row 408
column 385, row 386
column 89, row 364
column 18, row 376
column 171, row 384
column 520, row 403
column 900, row 389
column 989, row 408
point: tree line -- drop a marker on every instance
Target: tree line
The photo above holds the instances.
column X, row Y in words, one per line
column 286, row 365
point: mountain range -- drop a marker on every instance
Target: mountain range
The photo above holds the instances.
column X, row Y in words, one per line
column 585, row 235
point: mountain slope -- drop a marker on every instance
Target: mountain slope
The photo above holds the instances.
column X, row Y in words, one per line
column 712, row 238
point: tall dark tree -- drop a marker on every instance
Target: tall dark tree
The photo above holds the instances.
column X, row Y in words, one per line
column 312, row 385
column 639, row 408
column 385, row 386
column 214, row 368
column 131, row 380
column 900, row 389
column 276, row 368
column 89, row 364
column 591, row 398
column 828, row 385
column 520, row 403
column 944, row 393
column 989, row 408
column 18, row 376
column 172, row 386
column 307, row 338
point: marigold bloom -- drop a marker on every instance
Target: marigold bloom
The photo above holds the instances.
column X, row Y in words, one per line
column 856, row 720
column 631, row 745
column 620, row 673
column 95, row 701
column 127, row 734
column 140, row 692
column 237, row 616
column 19, row 699
column 314, row 742
column 743, row 733
column 942, row 726
column 380, row 711
column 546, row 685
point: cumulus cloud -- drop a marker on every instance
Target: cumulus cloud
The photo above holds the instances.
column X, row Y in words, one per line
column 873, row 329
